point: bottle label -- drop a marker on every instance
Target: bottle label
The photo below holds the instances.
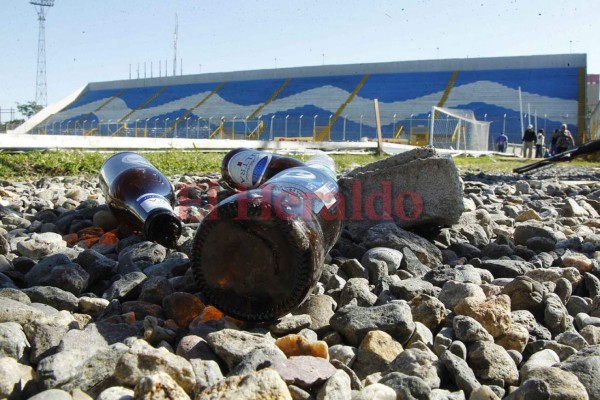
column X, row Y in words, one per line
column 150, row 201
column 248, row 167
column 310, row 185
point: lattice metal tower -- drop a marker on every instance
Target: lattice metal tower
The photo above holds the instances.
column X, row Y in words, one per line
column 41, row 95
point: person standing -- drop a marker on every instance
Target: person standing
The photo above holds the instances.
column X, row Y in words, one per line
column 565, row 139
column 539, row 144
column 502, row 143
column 529, row 138
column 553, row 142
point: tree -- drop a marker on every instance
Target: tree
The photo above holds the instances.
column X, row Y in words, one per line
column 29, row 108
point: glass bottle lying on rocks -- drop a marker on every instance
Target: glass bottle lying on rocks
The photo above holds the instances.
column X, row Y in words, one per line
column 259, row 253
column 140, row 197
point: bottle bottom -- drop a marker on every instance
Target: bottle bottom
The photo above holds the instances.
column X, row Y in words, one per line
column 254, row 269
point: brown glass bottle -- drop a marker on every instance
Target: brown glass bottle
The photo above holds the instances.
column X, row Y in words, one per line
column 259, row 253
column 244, row 168
column 140, row 197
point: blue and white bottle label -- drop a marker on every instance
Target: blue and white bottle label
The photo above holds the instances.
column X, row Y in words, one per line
column 151, row 201
column 248, row 167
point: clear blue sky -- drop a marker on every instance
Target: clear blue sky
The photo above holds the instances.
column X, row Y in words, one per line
column 89, row 41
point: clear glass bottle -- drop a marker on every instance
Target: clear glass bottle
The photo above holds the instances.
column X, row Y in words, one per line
column 140, row 197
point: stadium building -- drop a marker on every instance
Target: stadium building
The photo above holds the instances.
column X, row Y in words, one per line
column 333, row 102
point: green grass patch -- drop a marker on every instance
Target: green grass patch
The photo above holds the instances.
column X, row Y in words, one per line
column 36, row 164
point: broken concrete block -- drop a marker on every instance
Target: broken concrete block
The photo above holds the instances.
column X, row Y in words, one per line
column 415, row 188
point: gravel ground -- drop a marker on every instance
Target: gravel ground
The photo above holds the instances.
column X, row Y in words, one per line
column 503, row 304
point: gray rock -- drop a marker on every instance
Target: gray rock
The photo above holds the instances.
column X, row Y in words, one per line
column 125, row 288
column 232, row 345
column 357, row 290
column 585, row 366
column 116, row 393
column 342, row 353
column 256, row 359
column 556, row 316
column 393, row 318
column 391, row 257
column 400, row 185
column 507, row 268
column 290, row 324
column 491, row 362
column 305, row 372
column 525, row 294
column 52, row 394
column 97, row 265
column 266, row 382
column 14, row 311
column 526, row 230
column 15, row 294
column 462, row 375
column 58, row 271
column 46, row 332
column 40, row 245
column 175, row 265
column 159, row 385
column 412, row 264
column 53, row 296
column 406, row 386
column 79, row 368
column 407, row 289
column 142, row 360
column 13, row 342
column 377, row 391
column 562, row 384
column 352, row 268
column 572, row 339
column 207, row 373
column 419, row 363
column 337, row 387
column 155, row 288
column 96, row 336
column 321, row 309
column 531, row 389
column 139, row 256
column 392, row 236
column 469, row 330
column 453, row 292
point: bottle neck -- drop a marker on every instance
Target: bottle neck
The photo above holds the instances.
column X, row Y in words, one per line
column 163, row 226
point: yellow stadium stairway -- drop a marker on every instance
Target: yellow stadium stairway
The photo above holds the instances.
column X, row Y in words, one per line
column 191, row 110
column 143, row 105
column 326, row 130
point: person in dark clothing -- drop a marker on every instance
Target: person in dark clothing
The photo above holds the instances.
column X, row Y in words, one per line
column 502, row 142
column 553, row 142
column 564, row 140
column 529, row 139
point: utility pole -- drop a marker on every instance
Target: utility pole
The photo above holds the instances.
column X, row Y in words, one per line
column 175, row 46
column 41, row 90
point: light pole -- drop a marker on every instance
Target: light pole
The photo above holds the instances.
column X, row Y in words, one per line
column 360, row 127
column 209, row 128
column 300, row 125
column 315, row 125
column 258, row 130
column 344, row 128
column 136, row 127
column 271, row 130
column 83, row 127
column 246, row 126
column 329, row 126
column 126, row 126
column 504, row 124
column 410, row 128
column 233, row 126
column 394, row 126
column 166, row 122
column 285, row 130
